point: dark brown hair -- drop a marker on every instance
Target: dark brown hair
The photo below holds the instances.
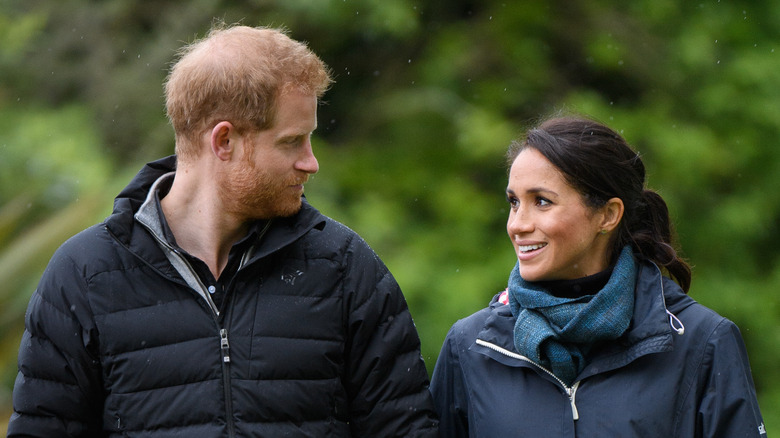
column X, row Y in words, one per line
column 600, row 165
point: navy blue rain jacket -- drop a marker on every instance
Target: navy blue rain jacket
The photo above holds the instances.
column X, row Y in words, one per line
column 651, row 382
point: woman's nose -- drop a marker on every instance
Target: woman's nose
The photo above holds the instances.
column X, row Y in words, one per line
column 519, row 222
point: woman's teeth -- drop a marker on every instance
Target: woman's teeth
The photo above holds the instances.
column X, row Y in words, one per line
column 526, row 248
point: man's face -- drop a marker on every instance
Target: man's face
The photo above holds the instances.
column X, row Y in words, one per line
column 267, row 179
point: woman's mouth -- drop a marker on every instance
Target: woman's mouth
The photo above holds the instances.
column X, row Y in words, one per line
column 529, row 248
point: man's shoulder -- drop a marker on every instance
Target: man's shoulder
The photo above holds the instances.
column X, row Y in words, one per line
column 90, row 247
column 330, row 231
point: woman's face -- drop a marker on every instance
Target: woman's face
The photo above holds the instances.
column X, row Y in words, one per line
column 555, row 235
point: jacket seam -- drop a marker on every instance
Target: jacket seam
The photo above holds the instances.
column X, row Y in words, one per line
column 698, row 369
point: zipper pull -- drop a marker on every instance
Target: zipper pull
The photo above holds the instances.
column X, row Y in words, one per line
column 572, row 393
column 224, row 345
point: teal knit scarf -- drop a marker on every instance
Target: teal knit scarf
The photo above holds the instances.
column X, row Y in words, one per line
column 557, row 333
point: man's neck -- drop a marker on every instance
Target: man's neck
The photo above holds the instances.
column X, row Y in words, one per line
column 199, row 225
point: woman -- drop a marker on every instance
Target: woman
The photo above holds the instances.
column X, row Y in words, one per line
column 591, row 339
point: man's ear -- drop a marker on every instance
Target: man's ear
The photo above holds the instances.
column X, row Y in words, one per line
column 223, row 140
column 613, row 213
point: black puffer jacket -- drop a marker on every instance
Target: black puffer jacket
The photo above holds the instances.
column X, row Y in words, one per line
column 314, row 339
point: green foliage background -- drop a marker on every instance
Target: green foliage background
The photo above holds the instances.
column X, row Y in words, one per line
column 428, row 95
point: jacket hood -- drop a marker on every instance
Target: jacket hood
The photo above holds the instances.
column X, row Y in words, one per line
column 134, row 194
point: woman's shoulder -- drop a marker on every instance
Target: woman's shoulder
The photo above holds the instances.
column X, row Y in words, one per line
column 470, row 325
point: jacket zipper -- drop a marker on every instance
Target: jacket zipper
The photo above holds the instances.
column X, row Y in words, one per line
column 224, row 346
column 224, row 343
column 571, row 391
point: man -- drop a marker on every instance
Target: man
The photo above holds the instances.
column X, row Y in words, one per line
column 215, row 301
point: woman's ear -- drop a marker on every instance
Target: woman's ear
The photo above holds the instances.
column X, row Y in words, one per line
column 613, row 213
column 222, row 144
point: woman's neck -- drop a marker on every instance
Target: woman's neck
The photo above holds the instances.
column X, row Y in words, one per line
column 577, row 287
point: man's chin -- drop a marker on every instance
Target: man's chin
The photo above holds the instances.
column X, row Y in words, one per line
column 288, row 209
column 291, row 211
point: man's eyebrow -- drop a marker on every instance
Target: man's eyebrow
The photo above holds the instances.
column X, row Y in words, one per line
column 292, row 135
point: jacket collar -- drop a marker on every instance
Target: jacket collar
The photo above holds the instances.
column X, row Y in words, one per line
column 649, row 332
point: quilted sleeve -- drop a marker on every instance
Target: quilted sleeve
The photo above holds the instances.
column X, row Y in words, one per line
column 57, row 392
column 387, row 382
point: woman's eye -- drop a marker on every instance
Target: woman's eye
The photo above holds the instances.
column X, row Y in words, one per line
column 513, row 202
column 543, row 202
